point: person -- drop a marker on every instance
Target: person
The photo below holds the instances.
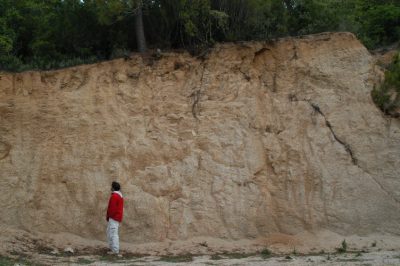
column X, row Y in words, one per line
column 115, row 212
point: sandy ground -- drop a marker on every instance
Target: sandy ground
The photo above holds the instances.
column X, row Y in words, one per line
column 353, row 258
column 375, row 258
column 19, row 247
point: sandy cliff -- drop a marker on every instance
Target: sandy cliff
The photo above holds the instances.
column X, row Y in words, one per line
column 252, row 140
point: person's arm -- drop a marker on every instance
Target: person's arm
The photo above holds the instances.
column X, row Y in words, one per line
column 111, row 207
column 120, row 208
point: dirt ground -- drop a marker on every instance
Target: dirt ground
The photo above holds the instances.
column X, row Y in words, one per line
column 375, row 258
column 347, row 258
column 18, row 247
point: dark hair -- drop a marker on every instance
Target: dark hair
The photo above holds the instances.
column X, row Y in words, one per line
column 115, row 186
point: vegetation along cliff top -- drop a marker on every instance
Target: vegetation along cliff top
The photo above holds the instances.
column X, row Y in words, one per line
column 55, row 34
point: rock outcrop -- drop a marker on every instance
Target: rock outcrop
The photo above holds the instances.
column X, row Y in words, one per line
column 254, row 139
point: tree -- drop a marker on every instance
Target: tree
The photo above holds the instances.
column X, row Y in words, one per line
column 289, row 5
column 139, row 29
column 380, row 23
column 112, row 11
column 59, row 33
column 253, row 19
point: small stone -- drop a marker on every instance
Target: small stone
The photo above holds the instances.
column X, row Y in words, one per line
column 69, row 250
column 54, row 252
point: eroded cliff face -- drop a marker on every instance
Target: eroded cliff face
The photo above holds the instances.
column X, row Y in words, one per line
column 255, row 139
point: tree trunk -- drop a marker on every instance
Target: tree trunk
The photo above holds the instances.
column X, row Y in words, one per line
column 139, row 29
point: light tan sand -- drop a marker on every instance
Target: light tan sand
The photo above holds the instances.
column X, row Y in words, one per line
column 48, row 249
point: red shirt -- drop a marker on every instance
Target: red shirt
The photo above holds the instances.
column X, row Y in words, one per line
column 115, row 208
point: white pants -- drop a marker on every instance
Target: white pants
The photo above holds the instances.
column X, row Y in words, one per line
column 112, row 235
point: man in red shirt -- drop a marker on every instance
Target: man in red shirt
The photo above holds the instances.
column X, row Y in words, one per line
column 115, row 211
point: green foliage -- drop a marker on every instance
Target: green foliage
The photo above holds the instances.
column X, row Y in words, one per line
column 119, row 53
column 310, row 16
column 190, row 15
column 253, row 19
column 10, row 63
column 57, row 33
column 111, row 11
column 6, row 45
column 343, row 247
column 216, row 257
column 387, row 96
column 4, row 261
column 380, row 24
column 84, row 261
column 266, row 253
column 177, row 259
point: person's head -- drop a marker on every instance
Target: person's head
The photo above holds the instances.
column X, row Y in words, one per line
column 115, row 186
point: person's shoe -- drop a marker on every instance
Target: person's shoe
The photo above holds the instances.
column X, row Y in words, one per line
column 119, row 255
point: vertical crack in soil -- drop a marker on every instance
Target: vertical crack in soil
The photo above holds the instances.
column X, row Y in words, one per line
column 196, row 96
column 350, row 152
column 328, row 124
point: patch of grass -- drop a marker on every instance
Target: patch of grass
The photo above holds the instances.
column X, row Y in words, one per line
column 216, row 257
column 387, row 95
column 44, row 250
column 343, row 247
column 94, row 251
column 294, row 251
column 103, row 256
column 266, row 253
column 176, row 259
column 236, row 255
column 41, row 249
column 18, row 254
column 109, row 258
column 4, row 261
column 131, row 256
column 349, row 260
column 84, row 261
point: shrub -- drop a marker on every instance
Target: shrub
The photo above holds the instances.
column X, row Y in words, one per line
column 387, row 96
column 266, row 253
column 343, row 247
column 13, row 63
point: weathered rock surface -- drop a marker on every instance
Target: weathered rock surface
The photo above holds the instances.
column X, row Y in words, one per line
column 258, row 138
